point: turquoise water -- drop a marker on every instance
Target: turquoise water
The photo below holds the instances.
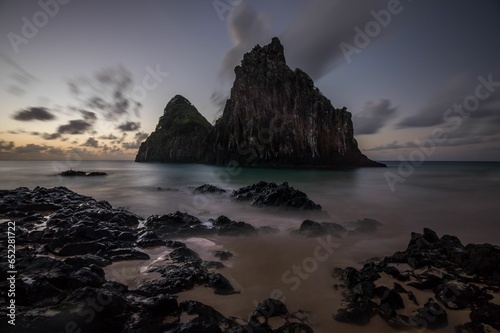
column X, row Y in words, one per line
column 460, row 198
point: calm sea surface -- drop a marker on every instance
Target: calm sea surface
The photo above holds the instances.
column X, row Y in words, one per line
column 461, row 198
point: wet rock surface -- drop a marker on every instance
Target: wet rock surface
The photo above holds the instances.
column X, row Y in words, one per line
column 460, row 277
column 65, row 243
column 75, row 173
column 265, row 194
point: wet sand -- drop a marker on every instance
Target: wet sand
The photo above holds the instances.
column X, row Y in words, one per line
column 263, row 267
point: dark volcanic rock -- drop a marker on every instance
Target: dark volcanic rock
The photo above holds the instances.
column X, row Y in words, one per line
column 180, row 135
column 314, row 229
column 149, row 239
column 275, row 116
column 72, row 249
column 265, row 194
column 207, row 188
column 228, row 227
column 453, row 272
column 488, row 313
column 431, row 315
column 74, row 173
column 71, row 294
column 177, row 223
column 223, row 255
column 358, row 313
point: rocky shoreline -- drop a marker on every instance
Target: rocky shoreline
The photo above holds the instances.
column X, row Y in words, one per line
column 65, row 243
column 459, row 277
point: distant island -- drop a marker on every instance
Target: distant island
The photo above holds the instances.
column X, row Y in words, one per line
column 275, row 117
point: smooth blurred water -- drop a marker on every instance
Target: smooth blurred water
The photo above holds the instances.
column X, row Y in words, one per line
column 460, row 198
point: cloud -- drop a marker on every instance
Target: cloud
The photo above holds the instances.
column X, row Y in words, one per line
column 74, row 127
column 321, row 26
column 26, row 76
column 53, row 136
column 477, row 126
column 16, row 90
column 108, row 137
column 88, row 116
column 107, row 92
column 30, row 149
column 22, row 78
column 33, row 113
column 453, row 91
column 139, row 138
column 129, row 126
column 246, row 28
column 18, row 131
column 6, row 146
column 373, row 117
column 91, row 142
column 391, row 146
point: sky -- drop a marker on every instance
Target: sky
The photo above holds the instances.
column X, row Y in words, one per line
column 91, row 78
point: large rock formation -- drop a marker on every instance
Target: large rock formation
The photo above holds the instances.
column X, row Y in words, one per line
column 274, row 117
column 179, row 136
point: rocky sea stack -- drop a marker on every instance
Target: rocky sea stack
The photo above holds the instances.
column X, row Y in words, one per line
column 275, row 117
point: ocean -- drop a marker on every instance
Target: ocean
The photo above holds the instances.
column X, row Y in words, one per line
column 461, row 198
column 457, row 198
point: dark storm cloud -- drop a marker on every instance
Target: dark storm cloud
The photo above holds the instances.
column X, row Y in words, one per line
column 91, row 142
column 75, row 127
column 373, row 117
column 129, row 126
column 107, row 92
column 33, row 113
column 6, row 145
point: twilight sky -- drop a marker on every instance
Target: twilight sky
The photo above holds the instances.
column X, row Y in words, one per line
column 92, row 77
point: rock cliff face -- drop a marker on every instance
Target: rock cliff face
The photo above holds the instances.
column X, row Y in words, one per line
column 179, row 136
column 275, row 117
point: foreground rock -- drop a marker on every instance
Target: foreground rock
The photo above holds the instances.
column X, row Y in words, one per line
column 265, row 194
column 73, row 173
column 275, row 116
column 460, row 277
column 62, row 255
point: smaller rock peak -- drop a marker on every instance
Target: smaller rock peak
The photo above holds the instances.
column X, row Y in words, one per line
column 177, row 99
